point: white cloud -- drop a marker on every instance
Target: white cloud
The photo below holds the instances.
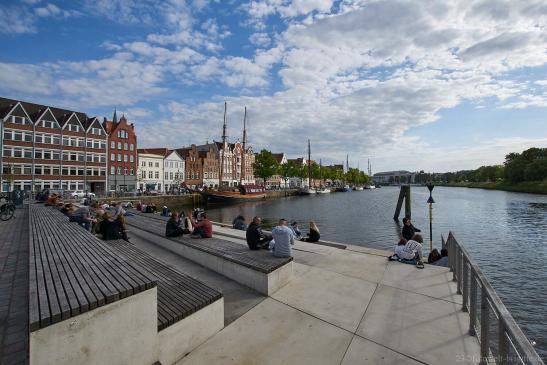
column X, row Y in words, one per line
column 52, row 10
column 260, row 39
column 16, row 20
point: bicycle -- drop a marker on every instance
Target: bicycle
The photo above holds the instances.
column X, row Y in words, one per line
column 7, row 210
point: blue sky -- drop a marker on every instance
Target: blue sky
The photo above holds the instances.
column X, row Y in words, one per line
column 437, row 86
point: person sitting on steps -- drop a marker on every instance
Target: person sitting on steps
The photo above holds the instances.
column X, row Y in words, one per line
column 408, row 229
column 313, row 235
column 203, row 228
column 283, row 240
column 173, row 228
column 256, row 239
column 413, row 250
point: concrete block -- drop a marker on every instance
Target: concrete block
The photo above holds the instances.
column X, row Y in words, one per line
column 123, row 332
column 273, row 333
column 179, row 339
column 358, row 265
column 430, row 330
column 332, row 297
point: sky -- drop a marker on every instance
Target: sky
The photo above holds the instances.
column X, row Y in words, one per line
column 417, row 85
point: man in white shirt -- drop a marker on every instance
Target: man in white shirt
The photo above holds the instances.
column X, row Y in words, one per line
column 413, row 250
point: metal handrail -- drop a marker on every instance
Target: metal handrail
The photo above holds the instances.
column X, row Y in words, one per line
column 469, row 278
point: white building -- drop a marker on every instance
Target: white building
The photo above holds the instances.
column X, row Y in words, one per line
column 150, row 169
column 394, row 177
column 173, row 171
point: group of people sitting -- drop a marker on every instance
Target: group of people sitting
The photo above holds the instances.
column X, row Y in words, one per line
column 409, row 249
column 197, row 224
column 281, row 238
column 313, row 234
column 100, row 218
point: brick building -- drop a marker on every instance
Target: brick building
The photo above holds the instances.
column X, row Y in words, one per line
column 122, row 154
column 50, row 148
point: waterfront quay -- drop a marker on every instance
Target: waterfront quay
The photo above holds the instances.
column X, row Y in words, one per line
column 338, row 306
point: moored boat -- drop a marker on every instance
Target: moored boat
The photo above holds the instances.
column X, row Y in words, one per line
column 236, row 195
column 358, row 188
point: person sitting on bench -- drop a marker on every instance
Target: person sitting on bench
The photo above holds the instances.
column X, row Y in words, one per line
column 121, row 228
column 256, row 239
column 283, row 239
column 82, row 217
column 173, row 228
column 203, row 228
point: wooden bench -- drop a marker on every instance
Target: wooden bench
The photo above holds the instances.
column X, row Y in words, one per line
column 259, row 270
column 70, row 275
column 76, row 272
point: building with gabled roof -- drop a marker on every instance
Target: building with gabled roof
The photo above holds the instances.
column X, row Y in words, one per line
column 44, row 147
column 122, row 154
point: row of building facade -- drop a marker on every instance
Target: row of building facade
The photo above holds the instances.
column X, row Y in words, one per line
column 43, row 147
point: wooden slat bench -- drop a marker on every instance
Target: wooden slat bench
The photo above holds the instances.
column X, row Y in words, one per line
column 179, row 295
column 70, row 275
column 76, row 272
column 257, row 269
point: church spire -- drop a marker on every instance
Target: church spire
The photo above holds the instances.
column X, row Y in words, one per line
column 115, row 117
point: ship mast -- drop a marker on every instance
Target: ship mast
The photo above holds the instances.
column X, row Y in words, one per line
column 243, row 167
column 221, row 152
column 309, row 165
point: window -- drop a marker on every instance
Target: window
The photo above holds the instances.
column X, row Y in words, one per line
column 143, row 163
column 112, row 145
column 56, row 140
column 157, row 164
column 18, row 120
column 124, row 158
column 125, row 170
column 38, row 154
column 150, row 164
column 112, row 157
column 157, row 175
column 119, row 157
column 170, row 176
column 150, row 174
column 119, row 145
column 131, row 173
column 97, row 131
column 131, row 147
column 119, row 170
column 143, row 174
column 125, row 146
column 131, row 158
column 39, row 138
column 166, row 176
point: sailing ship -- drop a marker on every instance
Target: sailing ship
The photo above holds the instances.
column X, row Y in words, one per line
column 235, row 194
column 346, row 188
column 322, row 189
column 308, row 190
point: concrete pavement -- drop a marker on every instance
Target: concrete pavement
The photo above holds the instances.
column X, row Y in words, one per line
column 348, row 307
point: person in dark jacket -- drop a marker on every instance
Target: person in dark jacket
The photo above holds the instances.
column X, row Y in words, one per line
column 408, row 229
column 108, row 229
column 239, row 223
column 173, row 228
column 256, row 239
column 313, row 235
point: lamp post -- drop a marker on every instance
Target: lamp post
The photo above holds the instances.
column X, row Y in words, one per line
column 430, row 186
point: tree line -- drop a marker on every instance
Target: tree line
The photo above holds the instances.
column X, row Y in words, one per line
column 528, row 166
column 266, row 166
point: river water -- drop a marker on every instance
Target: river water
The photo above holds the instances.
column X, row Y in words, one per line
column 506, row 234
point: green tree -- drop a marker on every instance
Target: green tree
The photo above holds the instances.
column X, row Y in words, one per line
column 265, row 165
column 289, row 169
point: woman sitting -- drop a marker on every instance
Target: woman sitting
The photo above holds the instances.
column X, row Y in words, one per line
column 413, row 251
column 109, row 229
column 433, row 256
column 173, row 228
column 313, row 235
column 239, row 223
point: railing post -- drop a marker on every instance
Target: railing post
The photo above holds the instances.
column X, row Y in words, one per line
column 459, row 269
column 485, row 319
column 465, row 279
column 503, row 349
column 473, row 304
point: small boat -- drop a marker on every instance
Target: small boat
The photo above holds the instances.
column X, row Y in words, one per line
column 368, row 187
column 344, row 189
column 306, row 191
column 358, row 188
column 323, row 191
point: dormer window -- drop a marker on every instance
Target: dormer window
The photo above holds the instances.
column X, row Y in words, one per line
column 74, row 128
column 18, row 120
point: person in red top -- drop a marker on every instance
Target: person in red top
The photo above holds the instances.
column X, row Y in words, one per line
column 203, row 228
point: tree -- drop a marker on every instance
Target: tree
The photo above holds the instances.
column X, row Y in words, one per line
column 289, row 169
column 265, row 165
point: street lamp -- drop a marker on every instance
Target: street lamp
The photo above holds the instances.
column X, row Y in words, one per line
column 430, row 186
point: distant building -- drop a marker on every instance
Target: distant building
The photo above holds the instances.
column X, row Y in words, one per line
column 122, row 154
column 44, row 147
column 298, row 181
column 150, row 170
column 394, row 177
column 277, row 181
column 173, row 171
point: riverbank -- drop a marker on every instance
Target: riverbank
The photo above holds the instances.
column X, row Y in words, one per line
column 190, row 199
column 531, row 187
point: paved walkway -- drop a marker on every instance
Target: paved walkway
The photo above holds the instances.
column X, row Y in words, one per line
column 14, row 289
column 348, row 307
